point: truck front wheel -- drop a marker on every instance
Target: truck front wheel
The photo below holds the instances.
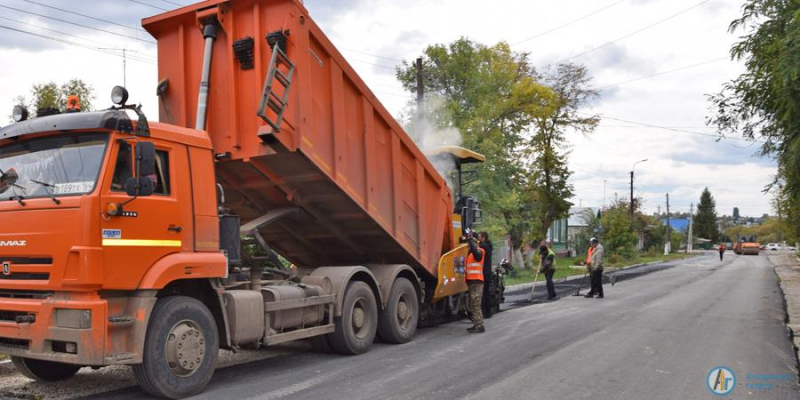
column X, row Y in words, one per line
column 180, row 349
column 39, row 370
column 355, row 329
column 398, row 322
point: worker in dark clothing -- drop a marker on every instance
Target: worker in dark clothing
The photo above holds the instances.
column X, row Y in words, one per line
column 549, row 269
column 487, row 300
column 474, row 277
column 721, row 249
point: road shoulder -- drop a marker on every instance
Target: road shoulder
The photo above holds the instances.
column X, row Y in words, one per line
column 787, row 267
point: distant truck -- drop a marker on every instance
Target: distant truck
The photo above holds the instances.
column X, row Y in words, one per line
column 128, row 242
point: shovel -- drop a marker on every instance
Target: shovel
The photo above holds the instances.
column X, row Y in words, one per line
column 535, row 278
column 580, row 285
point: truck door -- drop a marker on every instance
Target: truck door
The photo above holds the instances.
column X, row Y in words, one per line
column 150, row 227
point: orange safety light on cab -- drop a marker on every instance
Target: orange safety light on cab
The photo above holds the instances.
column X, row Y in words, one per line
column 73, row 104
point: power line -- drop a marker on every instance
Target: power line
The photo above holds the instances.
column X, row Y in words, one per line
column 85, row 16
column 370, row 63
column 632, row 33
column 568, row 23
column 663, row 73
column 149, row 5
column 678, row 130
column 367, row 54
column 64, row 41
column 174, row 3
column 66, row 34
column 77, row 24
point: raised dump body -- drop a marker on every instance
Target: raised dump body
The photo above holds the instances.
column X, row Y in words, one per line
column 334, row 177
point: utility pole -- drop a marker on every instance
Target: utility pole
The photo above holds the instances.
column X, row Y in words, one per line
column 667, row 240
column 632, row 193
column 124, row 64
column 691, row 223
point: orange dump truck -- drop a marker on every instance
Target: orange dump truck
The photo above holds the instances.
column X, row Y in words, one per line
column 155, row 244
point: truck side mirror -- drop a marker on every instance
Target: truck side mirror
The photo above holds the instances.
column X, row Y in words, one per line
column 141, row 183
column 139, row 186
column 145, row 158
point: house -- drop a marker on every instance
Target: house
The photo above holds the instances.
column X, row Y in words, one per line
column 565, row 231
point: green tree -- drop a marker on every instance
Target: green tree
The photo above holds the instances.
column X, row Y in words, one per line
column 490, row 94
column 549, row 149
column 618, row 235
column 763, row 103
column 705, row 221
column 51, row 97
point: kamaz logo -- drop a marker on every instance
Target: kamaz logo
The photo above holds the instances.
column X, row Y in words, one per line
column 13, row 243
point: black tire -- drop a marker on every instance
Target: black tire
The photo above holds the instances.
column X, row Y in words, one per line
column 178, row 325
column 397, row 323
column 356, row 328
column 48, row 371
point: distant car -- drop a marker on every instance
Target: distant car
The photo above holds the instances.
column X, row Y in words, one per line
column 792, row 248
column 773, row 246
column 763, row 247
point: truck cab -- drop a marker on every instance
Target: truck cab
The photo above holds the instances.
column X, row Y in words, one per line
column 85, row 246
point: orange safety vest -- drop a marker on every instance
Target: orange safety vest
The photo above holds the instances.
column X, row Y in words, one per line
column 475, row 268
column 722, row 247
column 589, row 255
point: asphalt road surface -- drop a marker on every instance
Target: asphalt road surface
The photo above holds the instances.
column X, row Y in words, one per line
column 657, row 335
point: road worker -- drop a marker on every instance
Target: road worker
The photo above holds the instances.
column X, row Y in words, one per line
column 596, row 269
column 548, row 269
column 488, row 299
column 474, row 277
column 721, row 250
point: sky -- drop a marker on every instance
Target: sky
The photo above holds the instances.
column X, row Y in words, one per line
column 654, row 61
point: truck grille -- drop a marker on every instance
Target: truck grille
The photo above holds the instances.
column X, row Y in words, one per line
column 11, row 316
column 23, row 294
column 28, row 260
column 25, row 276
column 10, row 343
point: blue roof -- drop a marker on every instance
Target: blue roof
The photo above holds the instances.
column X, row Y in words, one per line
column 677, row 224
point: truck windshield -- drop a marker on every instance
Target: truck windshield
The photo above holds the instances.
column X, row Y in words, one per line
column 60, row 165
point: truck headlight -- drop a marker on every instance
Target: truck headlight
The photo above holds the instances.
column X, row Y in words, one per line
column 20, row 113
column 119, row 95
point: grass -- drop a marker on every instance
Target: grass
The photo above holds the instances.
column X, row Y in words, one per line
column 2, row 357
column 563, row 268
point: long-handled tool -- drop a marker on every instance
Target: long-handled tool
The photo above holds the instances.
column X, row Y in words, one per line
column 580, row 285
column 535, row 278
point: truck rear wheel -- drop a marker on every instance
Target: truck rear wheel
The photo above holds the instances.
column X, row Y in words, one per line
column 355, row 329
column 180, row 349
column 398, row 322
column 40, row 370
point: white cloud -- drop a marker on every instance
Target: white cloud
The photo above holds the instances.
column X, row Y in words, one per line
column 681, row 163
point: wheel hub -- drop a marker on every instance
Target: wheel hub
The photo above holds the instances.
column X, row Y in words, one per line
column 402, row 310
column 358, row 317
column 185, row 348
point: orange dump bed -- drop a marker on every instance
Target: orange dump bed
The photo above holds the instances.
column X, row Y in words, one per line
column 340, row 182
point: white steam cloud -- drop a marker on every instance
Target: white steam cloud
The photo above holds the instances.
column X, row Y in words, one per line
column 428, row 136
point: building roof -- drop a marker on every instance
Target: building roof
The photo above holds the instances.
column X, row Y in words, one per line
column 677, row 224
column 576, row 215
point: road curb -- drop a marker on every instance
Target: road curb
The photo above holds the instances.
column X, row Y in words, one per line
column 570, row 278
column 788, row 275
